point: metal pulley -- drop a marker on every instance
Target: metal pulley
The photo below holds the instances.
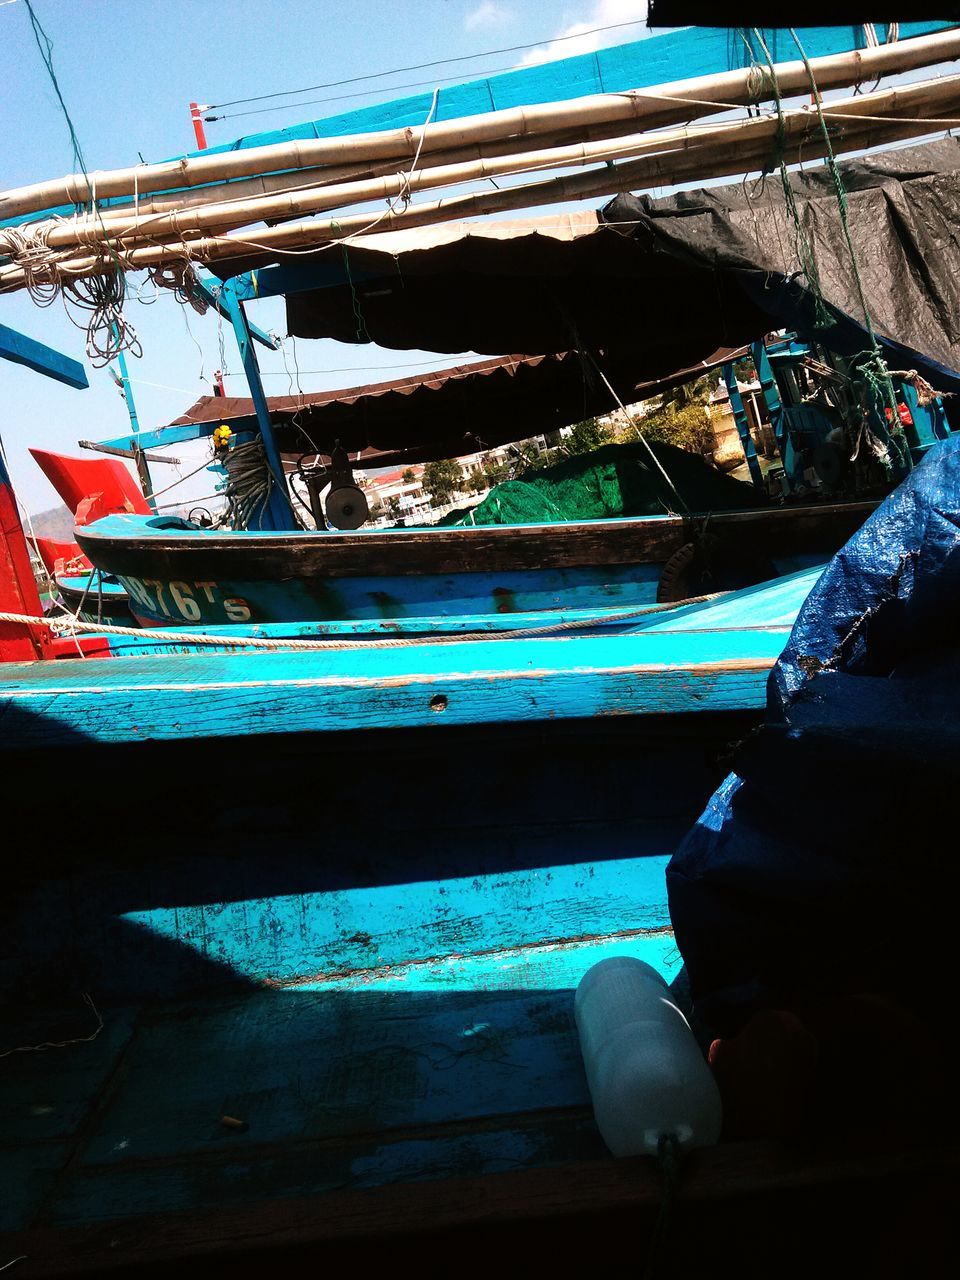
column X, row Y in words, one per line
column 346, row 507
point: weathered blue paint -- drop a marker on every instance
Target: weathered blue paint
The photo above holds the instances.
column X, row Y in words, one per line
column 277, row 512
column 37, row 356
column 743, row 425
column 490, row 681
column 929, row 421
column 392, row 598
column 771, row 396
column 165, row 436
column 415, row 935
column 209, row 289
column 168, row 592
column 772, row 606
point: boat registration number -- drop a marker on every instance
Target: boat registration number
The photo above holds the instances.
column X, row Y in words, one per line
column 185, row 600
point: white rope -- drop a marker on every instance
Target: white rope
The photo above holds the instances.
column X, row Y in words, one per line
column 70, row 624
column 630, row 422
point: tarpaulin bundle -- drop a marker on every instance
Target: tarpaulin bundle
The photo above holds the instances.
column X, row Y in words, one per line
column 826, row 863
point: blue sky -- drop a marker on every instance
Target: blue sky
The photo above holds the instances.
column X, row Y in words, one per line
column 127, row 70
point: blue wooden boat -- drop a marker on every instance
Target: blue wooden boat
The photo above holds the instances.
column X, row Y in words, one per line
column 343, row 1030
column 95, row 597
column 275, row 1026
column 176, row 572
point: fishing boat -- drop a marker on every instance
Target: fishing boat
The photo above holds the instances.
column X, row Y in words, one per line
column 315, row 1007
column 710, row 533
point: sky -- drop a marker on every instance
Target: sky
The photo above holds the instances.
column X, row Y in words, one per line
column 128, row 70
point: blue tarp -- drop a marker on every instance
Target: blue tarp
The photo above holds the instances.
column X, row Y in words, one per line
column 826, row 862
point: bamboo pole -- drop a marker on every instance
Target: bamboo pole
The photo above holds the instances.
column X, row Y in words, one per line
column 295, row 180
column 911, row 100
column 655, row 106
column 744, row 147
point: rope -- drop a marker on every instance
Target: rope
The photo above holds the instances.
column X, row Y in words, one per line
column 60, row 1044
column 657, row 463
column 108, row 333
column 870, row 364
column 668, row 1158
column 66, row 626
column 249, row 484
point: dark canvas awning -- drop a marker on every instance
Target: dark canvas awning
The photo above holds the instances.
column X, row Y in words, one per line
column 548, row 285
column 449, row 412
column 673, row 279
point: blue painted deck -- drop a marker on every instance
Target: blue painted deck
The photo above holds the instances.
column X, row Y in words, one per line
column 360, row 943
column 380, row 988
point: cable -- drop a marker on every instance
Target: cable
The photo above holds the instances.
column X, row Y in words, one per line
column 423, row 66
column 108, row 332
column 340, row 97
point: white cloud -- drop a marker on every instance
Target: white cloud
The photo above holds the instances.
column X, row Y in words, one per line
column 489, row 14
column 574, row 39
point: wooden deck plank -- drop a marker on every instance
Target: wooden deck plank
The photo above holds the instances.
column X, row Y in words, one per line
column 47, row 704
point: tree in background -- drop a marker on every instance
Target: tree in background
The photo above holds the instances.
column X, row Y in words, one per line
column 442, row 480
column 496, row 473
column 686, row 427
column 408, row 476
column 586, row 436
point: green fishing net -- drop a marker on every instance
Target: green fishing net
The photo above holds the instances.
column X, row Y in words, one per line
column 614, row 480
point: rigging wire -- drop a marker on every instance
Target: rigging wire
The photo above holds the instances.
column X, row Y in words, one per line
column 423, row 66
column 108, row 332
column 341, row 97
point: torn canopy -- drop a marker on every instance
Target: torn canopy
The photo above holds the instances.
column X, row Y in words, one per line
column 675, row 278
column 450, row 412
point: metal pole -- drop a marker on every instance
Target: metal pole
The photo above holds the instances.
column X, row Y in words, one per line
column 139, row 458
column 278, row 512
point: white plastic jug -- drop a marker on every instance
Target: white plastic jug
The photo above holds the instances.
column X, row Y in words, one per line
column 647, row 1076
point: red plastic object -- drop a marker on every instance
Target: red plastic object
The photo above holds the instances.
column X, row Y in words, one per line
column 61, row 557
column 18, row 590
column 105, row 482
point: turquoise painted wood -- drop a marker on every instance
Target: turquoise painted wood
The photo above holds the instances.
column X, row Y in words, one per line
column 277, row 512
column 489, row 681
column 37, row 356
column 209, row 290
column 743, row 425
column 162, row 436
column 378, row 986
column 771, row 606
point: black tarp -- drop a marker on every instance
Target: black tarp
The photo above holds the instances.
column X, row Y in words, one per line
column 533, row 294
column 825, row 862
column 675, row 278
column 819, row 13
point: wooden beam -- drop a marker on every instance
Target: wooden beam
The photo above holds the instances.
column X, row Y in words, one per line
column 20, row 349
column 124, row 452
column 480, row 682
column 209, row 289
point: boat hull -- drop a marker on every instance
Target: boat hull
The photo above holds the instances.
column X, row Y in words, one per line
column 175, row 573
column 101, row 600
